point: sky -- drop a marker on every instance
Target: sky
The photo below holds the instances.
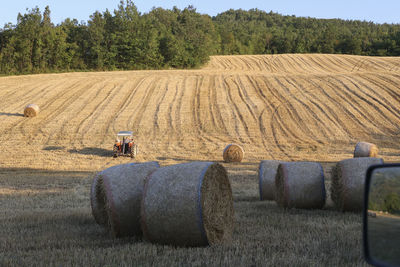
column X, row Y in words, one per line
column 383, row 11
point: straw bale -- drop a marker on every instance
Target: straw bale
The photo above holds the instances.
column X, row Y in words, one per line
column 188, row 204
column 233, row 153
column 348, row 181
column 31, row 110
column 266, row 176
column 300, row 185
column 98, row 201
column 364, row 149
column 122, row 188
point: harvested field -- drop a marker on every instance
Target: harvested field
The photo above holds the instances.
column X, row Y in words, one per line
column 310, row 107
column 277, row 107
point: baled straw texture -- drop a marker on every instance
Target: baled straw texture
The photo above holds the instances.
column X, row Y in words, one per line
column 364, row 149
column 266, row 175
column 98, row 201
column 123, row 189
column 233, row 153
column 31, row 110
column 300, row 185
column 188, row 204
column 348, row 181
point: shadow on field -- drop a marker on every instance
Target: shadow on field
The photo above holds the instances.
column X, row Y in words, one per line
column 183, row 160
column 92, row 151
column 11, row 114
column 52, row 148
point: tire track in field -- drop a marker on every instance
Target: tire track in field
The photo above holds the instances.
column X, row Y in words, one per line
column 343, row 115
column 353, row 110
column 109, row 128
column 161, row 102
column 276, row 124
column 267, row 109
column 126, row 109
column 236, row 111
column 381, row 79
column 383, row 99
column 290, row 102
column 86, row 120
column 250, row 115
column 178, row 111
column 58, row 111
column 145, row 98
column 69, row 123
column 219, row 126
column 373, row 103
column 319, row 123
column 329, row 104
column 13, row 103
column 355, row 97
column 198, row 124
column 15, row 123
column 164, row 116
column 19, row 125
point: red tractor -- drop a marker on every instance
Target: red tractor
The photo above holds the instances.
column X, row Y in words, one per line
column 124, row 145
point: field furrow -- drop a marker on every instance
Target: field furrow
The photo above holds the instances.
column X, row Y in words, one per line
column 288, row 107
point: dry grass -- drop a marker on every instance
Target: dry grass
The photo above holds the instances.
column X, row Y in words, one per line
column 281, row 107
column 286, row 107
column 57, row 228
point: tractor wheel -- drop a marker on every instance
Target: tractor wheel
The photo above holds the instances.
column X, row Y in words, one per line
column 115, row 152
column 133, row 151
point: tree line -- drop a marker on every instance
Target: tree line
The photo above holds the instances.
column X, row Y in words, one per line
column 125, row 39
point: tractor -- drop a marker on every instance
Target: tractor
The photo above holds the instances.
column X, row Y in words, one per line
column 124, row 145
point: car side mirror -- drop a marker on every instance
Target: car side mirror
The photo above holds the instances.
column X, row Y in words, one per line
column 381, row 221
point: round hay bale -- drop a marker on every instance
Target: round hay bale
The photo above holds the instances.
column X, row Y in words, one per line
column 266, row 176
column 31, row 110
column 300, row 185
column 119, row 197
column 98, row 201
column 364, row 149
column 233, row 153
column 188, row 204
column 348, row 178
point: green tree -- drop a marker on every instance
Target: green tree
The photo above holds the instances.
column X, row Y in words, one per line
column 392, row 203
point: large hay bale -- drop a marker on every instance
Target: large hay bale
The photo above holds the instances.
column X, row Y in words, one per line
column 364, row 149
column 348, row 179
column 233, row 153
column 188, row 204
column 119, row 193
column 98, row 201
column 266, row 176
column 300, row 185
column 31, row 110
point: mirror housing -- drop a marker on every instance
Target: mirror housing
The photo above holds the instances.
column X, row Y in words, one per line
column 381, row 215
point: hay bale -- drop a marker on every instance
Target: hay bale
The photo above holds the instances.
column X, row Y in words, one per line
column 266, row 176
column 233, row 153
column 188, row 204
column 119, row 193
column 348, row 180
column 364, row 149
column 98, row 201
column 31, row 110
column 300, row 185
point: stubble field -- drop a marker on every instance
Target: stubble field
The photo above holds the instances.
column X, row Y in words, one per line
column 286, row 107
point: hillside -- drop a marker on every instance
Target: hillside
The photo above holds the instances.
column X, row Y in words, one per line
column 289, row 107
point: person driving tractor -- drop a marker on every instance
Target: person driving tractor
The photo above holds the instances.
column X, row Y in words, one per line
column 125, row 147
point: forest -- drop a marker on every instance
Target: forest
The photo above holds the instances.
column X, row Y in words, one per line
column 125, row 39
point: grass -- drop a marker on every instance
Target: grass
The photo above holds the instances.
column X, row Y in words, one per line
column 383, row 238
column 46, row 221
